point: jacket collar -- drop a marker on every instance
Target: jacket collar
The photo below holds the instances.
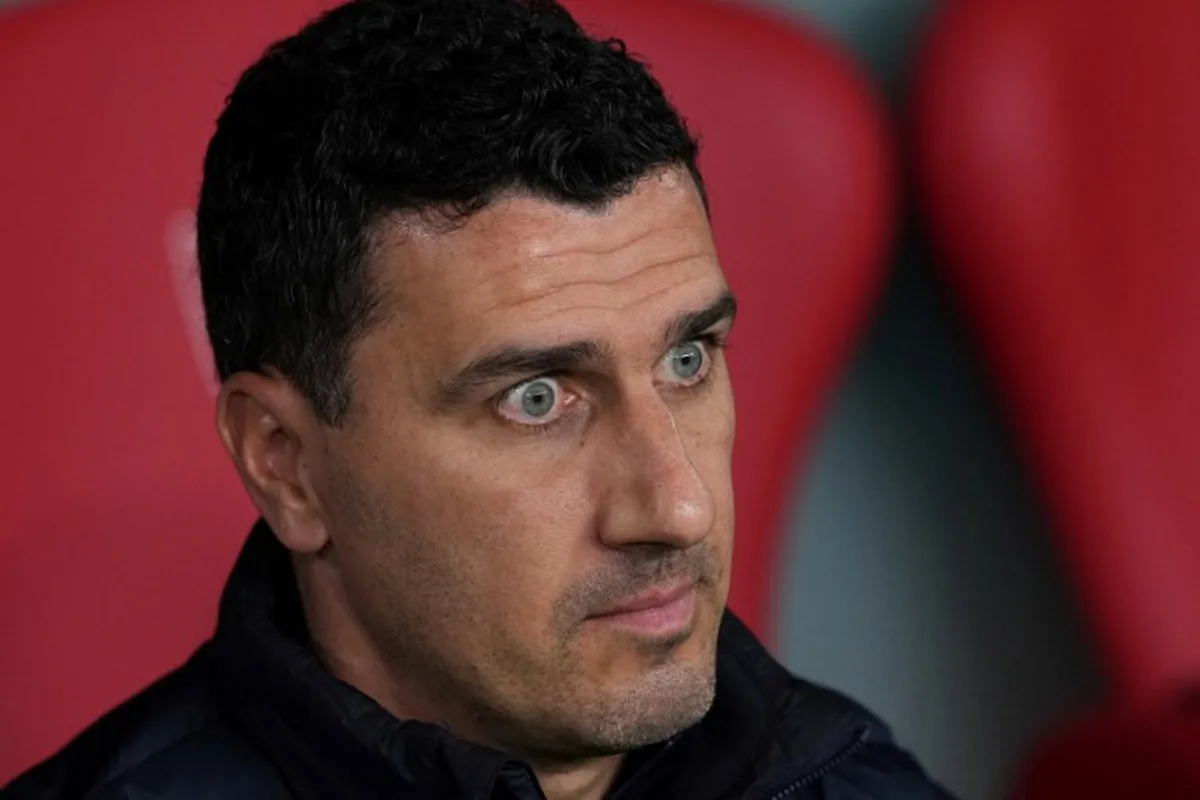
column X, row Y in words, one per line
column 330, row 740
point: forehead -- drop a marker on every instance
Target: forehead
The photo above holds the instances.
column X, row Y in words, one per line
column 531, row 271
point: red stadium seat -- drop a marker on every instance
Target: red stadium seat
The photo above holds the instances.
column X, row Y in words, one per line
column 1117, row 755
column 120, row 515
column 1059, row 162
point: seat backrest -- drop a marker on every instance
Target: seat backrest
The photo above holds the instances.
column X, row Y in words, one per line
column 120, row 515
column 1059, row 160
column 1116, row 755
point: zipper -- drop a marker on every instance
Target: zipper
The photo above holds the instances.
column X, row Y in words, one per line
column 820, row 772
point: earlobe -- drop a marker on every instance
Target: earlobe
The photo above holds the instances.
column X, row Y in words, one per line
column 267, row 429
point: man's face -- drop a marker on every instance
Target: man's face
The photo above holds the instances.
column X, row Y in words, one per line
column 540, row 446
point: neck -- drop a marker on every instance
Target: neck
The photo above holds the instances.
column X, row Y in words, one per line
column 344, row 648
column 588, row 780
column 341, row 643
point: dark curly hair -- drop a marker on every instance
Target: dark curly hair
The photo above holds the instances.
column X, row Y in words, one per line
column 409, row 106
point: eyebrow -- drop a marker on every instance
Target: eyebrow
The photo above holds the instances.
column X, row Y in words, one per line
column 694, row 324
column 512, row 361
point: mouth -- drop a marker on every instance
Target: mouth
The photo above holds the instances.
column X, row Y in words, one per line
column 658, row 613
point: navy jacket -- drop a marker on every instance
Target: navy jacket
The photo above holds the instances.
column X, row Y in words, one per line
column 254, row 715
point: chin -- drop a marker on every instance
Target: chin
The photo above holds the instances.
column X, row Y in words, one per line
column 653, row 688
column 654, row 707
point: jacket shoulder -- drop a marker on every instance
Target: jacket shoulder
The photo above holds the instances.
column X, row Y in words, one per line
column 821, row 743
column 862, row 759
column 169, row 741
column 881, row 770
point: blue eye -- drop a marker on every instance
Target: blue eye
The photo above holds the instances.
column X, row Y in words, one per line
column 686, row 361
column 538, row 398
column 535, row 402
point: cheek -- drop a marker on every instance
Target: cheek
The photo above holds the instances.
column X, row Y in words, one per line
column 708, row 432
column 495, row 537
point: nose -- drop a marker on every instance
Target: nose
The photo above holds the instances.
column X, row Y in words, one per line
column 655, row 494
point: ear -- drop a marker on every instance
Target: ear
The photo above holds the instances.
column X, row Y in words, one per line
column 271, row 433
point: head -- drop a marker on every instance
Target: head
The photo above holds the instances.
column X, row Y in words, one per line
column 468, row 318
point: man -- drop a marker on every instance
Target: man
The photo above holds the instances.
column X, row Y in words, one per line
column 465, row 306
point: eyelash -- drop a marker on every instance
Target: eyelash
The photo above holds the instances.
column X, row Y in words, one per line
column 714, row 342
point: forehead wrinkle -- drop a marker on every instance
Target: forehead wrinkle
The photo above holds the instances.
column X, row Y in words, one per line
column 526, row 273
column 543, row 248
column 617, row 305
column 519, row 222
column 534, row 290
column 525, row 250
column 534, row 263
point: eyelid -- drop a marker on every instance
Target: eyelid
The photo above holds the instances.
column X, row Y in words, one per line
column 716, row 339
column 554, row 375
column 713, row 339
column 513, row 388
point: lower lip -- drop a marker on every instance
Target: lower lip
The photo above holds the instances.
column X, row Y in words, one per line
column 666, row 620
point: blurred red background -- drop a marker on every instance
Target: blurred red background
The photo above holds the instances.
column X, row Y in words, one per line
column 1049, row 169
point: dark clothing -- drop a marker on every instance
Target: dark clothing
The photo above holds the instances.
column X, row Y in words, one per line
column 254, row 715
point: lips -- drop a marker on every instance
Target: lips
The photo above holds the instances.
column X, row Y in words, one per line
column 655, row 598
column 659, row 613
